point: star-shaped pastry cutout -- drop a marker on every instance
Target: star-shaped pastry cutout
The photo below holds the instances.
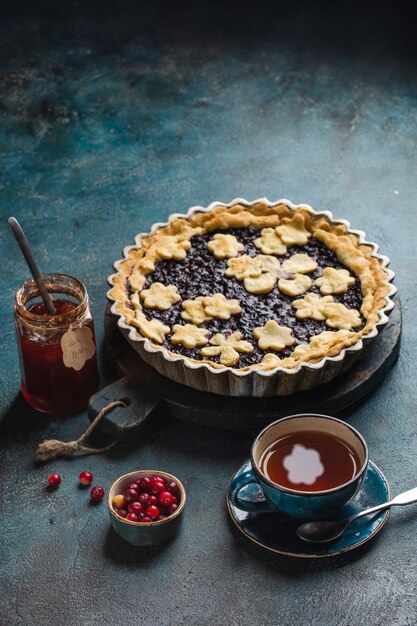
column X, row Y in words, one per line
column 272, row 336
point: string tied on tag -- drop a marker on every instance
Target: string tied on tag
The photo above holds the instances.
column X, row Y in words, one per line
column 52, row 448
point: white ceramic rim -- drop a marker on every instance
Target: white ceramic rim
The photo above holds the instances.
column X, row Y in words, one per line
column 170, row 356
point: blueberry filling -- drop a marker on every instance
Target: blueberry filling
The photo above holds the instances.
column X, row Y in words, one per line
column 201, row 274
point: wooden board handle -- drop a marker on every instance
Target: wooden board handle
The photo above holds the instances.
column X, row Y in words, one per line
column 144, row 405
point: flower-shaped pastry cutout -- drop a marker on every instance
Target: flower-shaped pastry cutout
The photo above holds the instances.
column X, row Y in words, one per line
column 189, row 335
column 220, row 307
column 227, row 347
column 334, row 281
column 260, row 273
column 272, row 336
column 194, row 311
column 270, row 242
column 339, row 316
column 299, row 263
column 205, row 308
column 311, row 307
column 269, row 268
column 295, row 286
column 263, row 284
column 292, row 230
column 243, row 267
column 336, row 315
column 152, row 329
column 224, row 246
column 170, row 247
column 159, row 296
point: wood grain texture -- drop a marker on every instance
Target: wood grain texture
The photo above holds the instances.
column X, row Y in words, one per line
column 112, row 118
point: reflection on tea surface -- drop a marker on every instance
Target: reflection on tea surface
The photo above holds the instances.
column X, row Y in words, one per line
column 309, row 461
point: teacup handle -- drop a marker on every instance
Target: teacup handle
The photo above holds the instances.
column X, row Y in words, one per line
column 257, row 503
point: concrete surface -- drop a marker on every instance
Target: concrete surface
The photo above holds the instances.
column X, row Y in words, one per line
column 110, row 119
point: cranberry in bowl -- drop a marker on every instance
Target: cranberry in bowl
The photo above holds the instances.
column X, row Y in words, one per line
column 146, row 507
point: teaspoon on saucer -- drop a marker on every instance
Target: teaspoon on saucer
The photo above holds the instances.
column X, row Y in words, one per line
column 320, row 532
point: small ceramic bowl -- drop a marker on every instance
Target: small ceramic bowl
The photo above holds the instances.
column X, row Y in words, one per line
column 145, row 533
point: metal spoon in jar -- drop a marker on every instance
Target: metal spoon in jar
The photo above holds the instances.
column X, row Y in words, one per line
column 21, row 239
column 320, row 532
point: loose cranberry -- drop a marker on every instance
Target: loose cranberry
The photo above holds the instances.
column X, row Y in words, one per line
column 143, row 499
column 172, row 508
column 145, row 483
column 119, row 501
column 166, row 498
column 172, row 487
column 145, row 519
column 135, row 507
column 97, row 494
column 121, row 512
column 131, row 495
column 133, row 486
column 152, row 511
column 161, row 517
column 54, row 480
column 152, row 500
column 86, row 478
column 131, row 517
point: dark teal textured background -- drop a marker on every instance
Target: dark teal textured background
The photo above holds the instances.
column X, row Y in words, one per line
column 111, row 118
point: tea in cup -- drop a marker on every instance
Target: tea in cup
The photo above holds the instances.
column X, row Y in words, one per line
column 307, row 466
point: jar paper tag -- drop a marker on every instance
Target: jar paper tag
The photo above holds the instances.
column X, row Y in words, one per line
column 77, row 347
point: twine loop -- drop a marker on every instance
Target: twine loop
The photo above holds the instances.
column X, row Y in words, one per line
column 52, row 448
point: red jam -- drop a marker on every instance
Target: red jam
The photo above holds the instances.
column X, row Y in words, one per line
column 47, row 382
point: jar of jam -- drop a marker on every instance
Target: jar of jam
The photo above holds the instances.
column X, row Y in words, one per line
column 57, row 353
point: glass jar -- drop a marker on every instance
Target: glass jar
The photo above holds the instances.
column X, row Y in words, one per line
column 57, row 353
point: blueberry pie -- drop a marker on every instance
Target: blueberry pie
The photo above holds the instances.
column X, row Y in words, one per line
column 256, row 291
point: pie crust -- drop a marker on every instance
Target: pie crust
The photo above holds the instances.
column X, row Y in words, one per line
column 282, row 234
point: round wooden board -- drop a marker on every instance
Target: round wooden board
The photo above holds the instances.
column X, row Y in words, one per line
column 252, row 413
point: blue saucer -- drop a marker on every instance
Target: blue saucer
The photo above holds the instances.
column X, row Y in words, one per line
column 276, row 532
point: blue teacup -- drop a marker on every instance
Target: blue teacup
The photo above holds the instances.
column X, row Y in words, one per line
column 295, row 502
